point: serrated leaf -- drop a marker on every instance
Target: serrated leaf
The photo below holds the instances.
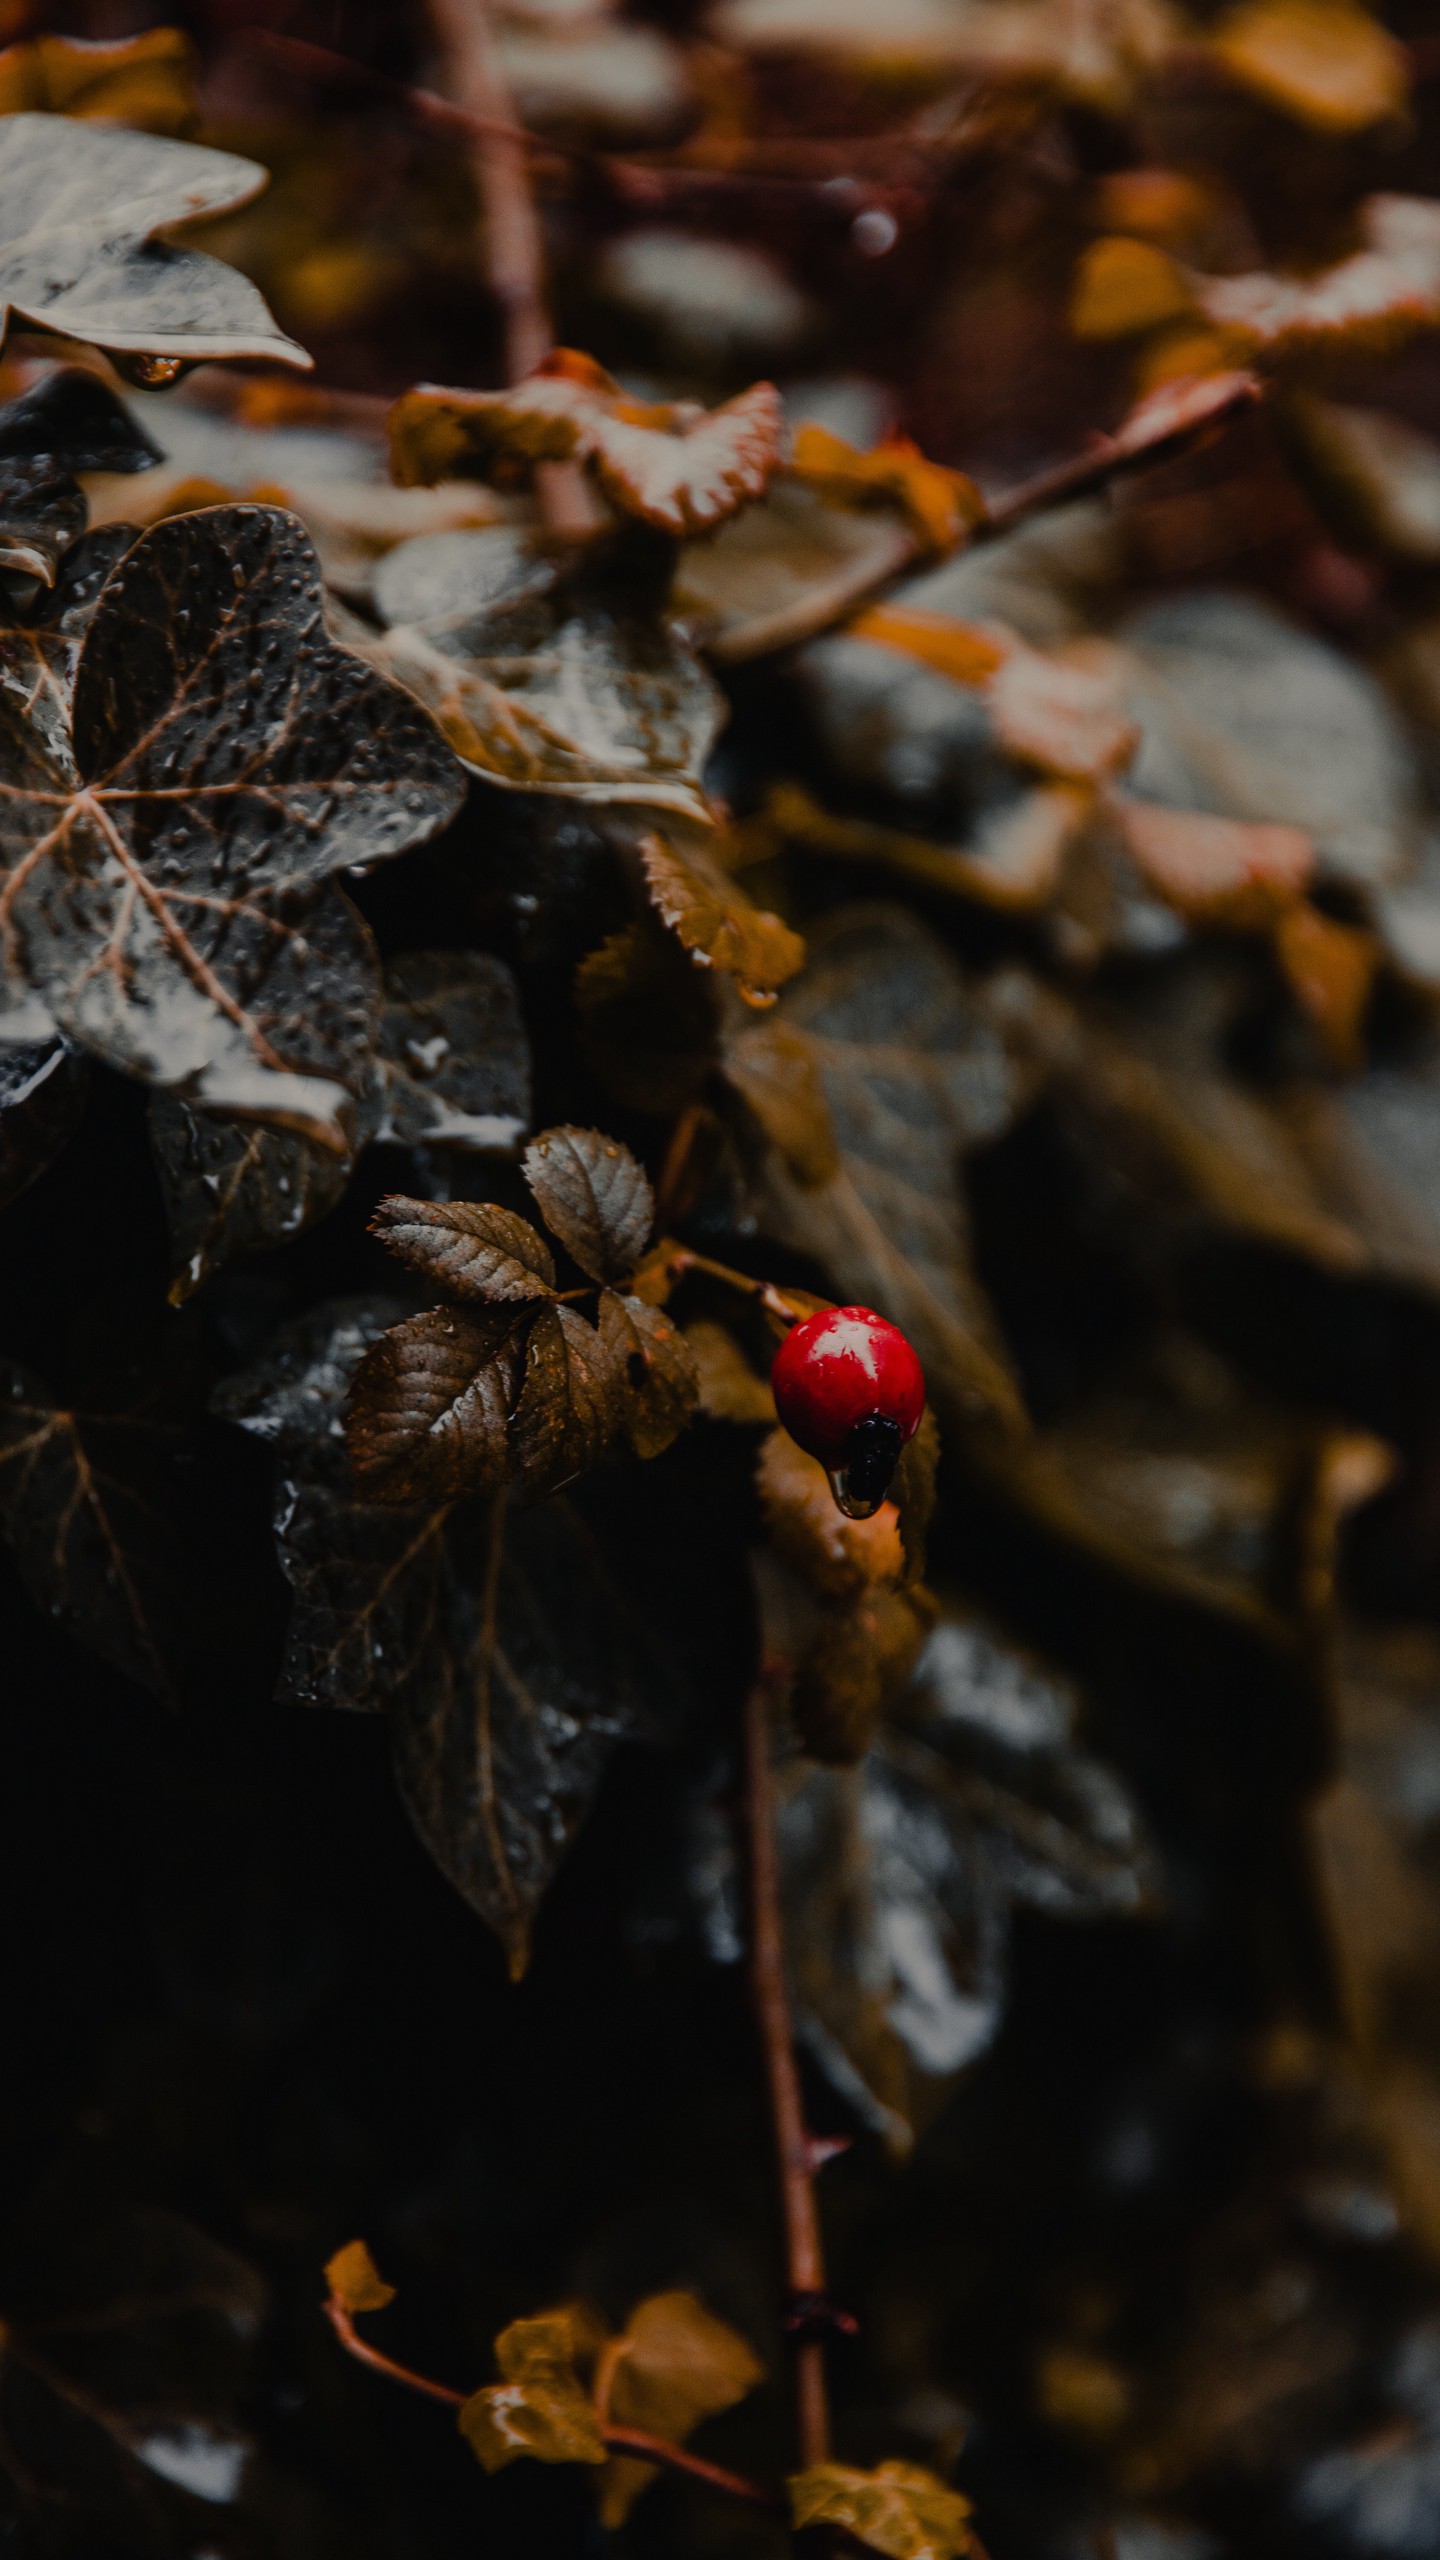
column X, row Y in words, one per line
column 145, row 81
column 545, row 674
column 430, row 1406
column 540, row 2408
column 165, row 901
column 676, row 468
column 1327, row 62
column 676, row 2364
column 654, row 1370
column 569, row 1403
column 1387, row 289
column 355, row 2280
column 471, row 1248
column 79, row 211
column 233, row 1187
column 714, row 920
column 454, row 1061
column 897, row 2509
column 593, row 1195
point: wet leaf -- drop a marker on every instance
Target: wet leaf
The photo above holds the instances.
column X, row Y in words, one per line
column 654, row 1370
column 1388, row 288
column 1332, row 969
column 775, row 1071
column 675, row 2365
column 42, row 1094
column 648, row 1020
column 1326, row 61
column 454, row 1059
column 67, row 423
column 145, row 81
column 914, row 1071
column 540, row 2408
column 678, row 468
column 232, row 1186
column 470, row 1248
column 941, row 506
column 355, row 2280
column 593, row 1195
column 971, row 652
column 729, row 1388
column 855, row 1668
column 1067, row 718
column 93, row 1505
column 165, row 901
column 79, row 212
column 544, row 676
column 715, row 921
column 793, row 565
column 896, row 2508
column 836, row 1555
column 569, row 1403
column 430, row 1406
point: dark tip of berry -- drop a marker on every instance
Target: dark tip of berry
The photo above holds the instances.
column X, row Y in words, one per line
column 872, row 1454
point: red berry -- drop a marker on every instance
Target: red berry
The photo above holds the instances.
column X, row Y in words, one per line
column 850, row 1389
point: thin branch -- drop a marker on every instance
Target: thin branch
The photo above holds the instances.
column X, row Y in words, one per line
column 1104, row 459
column 354, row 2345
column 774, row 1300
column 804, row 2255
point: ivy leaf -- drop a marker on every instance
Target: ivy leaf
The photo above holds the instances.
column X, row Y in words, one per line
column 454, row 1059
column 232, row 1186
column 1389, row 287
column 675, row 467
column 79, row 212
column 897, row 2509
column 165, row 902
column 540, row 2407
column 714, row 920
column 70, row 422
column 675, row 2365
column 544, row 673
column 355, row 2280
column 92, row 1505
column 471, row 1248
column 655, row 1372
column 42, row 1094
column 569, row 1405
column 593, row 1195
column 430, row 1406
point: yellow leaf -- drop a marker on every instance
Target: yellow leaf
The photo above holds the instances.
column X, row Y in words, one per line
column 967, row 652
column 145, row 81
column 1325, row 61
column 941, row 505
column 355, row 2280
column 718, row 925
column 540, row 2407
column 1331, row 968
column 1123, row 286
column 1154, row 204
column 897, row 2508
column 675, row 2365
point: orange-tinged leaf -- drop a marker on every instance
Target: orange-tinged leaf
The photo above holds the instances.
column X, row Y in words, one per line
column 837, row 1556
column 1389, row 287
column 897, row 2508
column 1155, row 204
column 729, row 1388
column 717, row 923
column 145, row 81
column 775, row 1070
column 970, row 652
column 540, row 2407
column 1178, row 407
column 1331, row 969
column 1068, row 718
column 855, row 1668
column 355, row 2280
column 941, row 505
column 1123, row 286
column 1225, row 871
column 675, row 2365
column 656, row 1379
column 1326, row 61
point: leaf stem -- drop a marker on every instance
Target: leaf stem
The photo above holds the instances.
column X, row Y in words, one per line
column 804, row 2254
column 774, row 1300
column 1102, row 459
column 627, row 2440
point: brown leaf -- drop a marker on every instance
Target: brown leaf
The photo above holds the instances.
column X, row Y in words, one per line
column 80, row 213
column 678, row 469
column 593, row 1195
column 718, row 925
column 1068, row 718
column 942, row 506
column 167, row 900
column 854, row 1668
column 970, row 652
column 1219, row 871
column 648, row 1019
column 355, row 2280
column 654, row 1370
column 430, row 1406
column 897, row 2508
column 789, row 567
column 470, row 1248
column 232, row 1186
column 675, row 2365
column 729, row 1388
column 569, row 1403
column 836, row 1555
column 913, row 1491
column 540, row 2408
column 1331, row 968
column 1389, row 287
column 67, row 423
column 145, row 81
column 42, row 1094
column 773, row 1068
column 1327, row 62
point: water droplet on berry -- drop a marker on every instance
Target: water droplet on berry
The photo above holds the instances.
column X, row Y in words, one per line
column 856, row 1505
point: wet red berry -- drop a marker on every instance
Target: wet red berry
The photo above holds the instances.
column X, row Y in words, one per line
column 849, row 1388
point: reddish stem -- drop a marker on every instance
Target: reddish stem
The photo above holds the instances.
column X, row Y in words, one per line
column 1104, row 458
column 804, row 2255
column 354, row 2345
column 773, row 1300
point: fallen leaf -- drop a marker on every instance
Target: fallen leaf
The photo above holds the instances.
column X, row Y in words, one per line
column 680, row 469
column 1332, row 969
column 454, row 1059
column 165, row 903
column 540, row 2408
column 1069, row 718
column 1218, row 871
column 654, row 1370
column 896, row 2508
column 1125, row 286
column 1389, row 287
column 431, row 1403
column 649, row 1026
column 145, row 81
column 729, row 1388
column 971, row 652
column 78, row 216
column 68, row 422
column 470, row 1248
column 232, row 1186
column 675, row 2364
column 854, row 1668
column 593, row 1195
column 776, row 1074
column 835, row 1555
column 789, row 566
column 941, row 506
column 355, row 2280
column 714, row 920
column 1327, row 62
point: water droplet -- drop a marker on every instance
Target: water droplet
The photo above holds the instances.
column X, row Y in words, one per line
column 149, row 373
column 856, row 1506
